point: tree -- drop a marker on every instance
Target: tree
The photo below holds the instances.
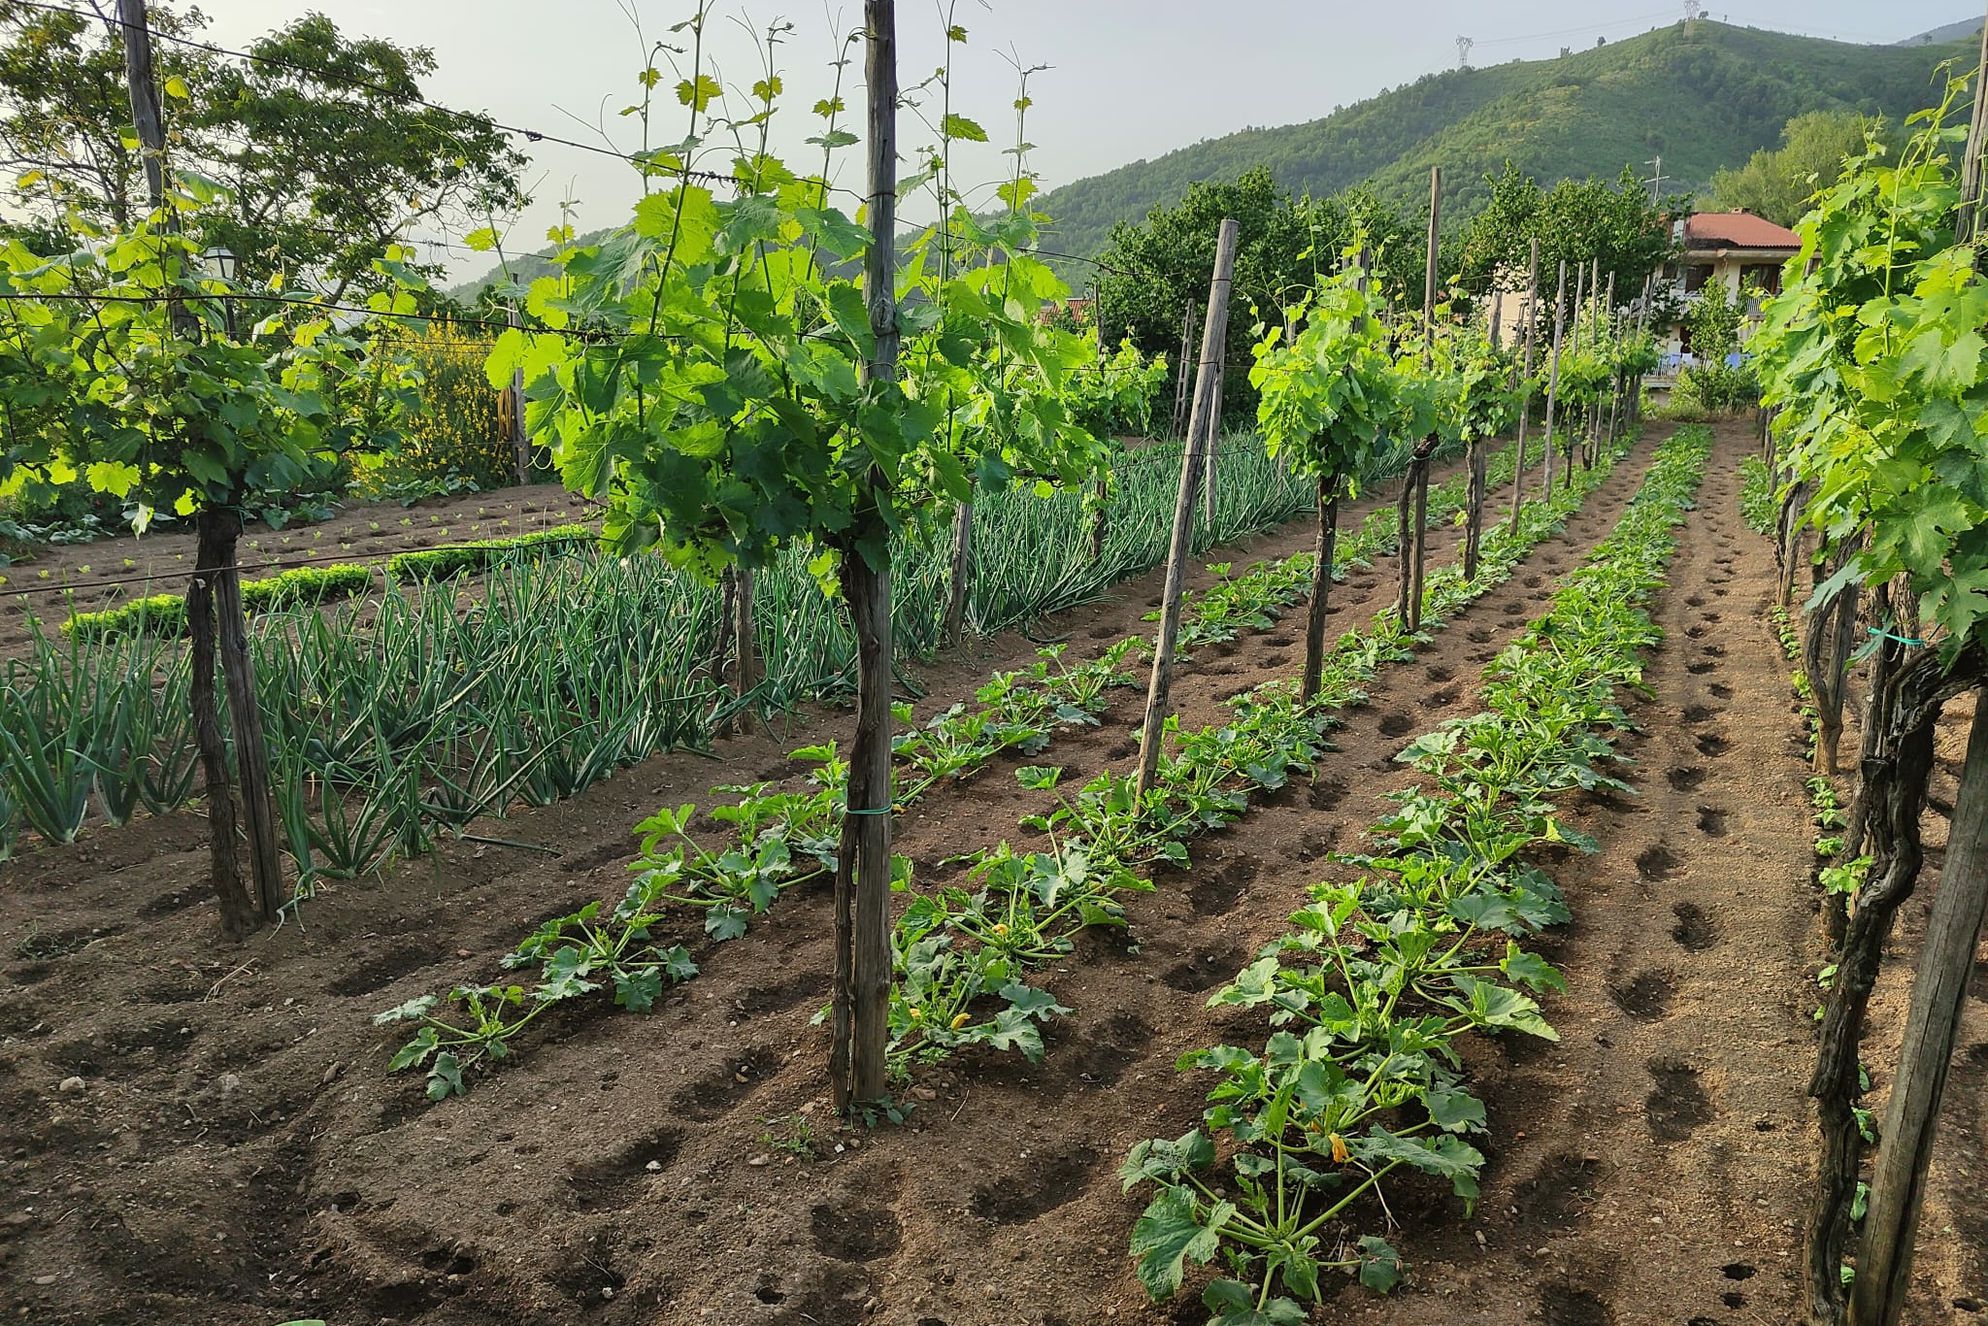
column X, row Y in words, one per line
column 327, row 152
column 119, row 372
column 1328, row 397
column 1576, row 221
column 715, row 370
column 1777, row 183
column 1152, row 271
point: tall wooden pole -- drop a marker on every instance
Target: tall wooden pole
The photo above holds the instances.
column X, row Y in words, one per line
column 1213, row 336
column 1212, row 443
column 861, row 1003
column 1574, row 343
column 1525, row 379
column 1184, row 381
column 146, row 116
column 1614, row 377
column 962, row 574
column 1932, row 1026
column 1967, row 217
column 1429, row 270
column 521, row 453
column 1553, row 371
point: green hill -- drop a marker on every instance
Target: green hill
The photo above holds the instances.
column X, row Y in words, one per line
column 1702, row 99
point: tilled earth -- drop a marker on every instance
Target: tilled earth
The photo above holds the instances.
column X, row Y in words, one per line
column 237, row 1155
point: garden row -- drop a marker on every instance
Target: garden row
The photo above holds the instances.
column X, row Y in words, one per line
column 1359, row 1078
column 962, row 953
column 414, row 715
column 303, row 586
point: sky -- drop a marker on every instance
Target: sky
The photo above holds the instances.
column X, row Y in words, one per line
column 1125, row 79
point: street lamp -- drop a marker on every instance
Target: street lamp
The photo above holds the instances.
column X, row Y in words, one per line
column 220, row 261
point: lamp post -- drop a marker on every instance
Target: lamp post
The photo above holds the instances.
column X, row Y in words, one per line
column 221, row 262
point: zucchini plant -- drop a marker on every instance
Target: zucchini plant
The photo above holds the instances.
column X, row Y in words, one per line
column 1359, row 1082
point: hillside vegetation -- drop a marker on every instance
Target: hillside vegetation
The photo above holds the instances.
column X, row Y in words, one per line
column 1704, row 99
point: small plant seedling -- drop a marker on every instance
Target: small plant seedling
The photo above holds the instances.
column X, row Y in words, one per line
column 791, row 1135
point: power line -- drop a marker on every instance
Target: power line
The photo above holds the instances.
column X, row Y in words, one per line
column 1574, row 32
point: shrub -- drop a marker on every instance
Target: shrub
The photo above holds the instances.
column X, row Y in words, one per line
column 165, row 614
column 456, row 440
column 442, row 563
column 1716, row 388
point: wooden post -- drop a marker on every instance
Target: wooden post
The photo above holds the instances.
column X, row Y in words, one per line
column 1946, row 965
column 1182, row 382
column 1211, row 443
column 1429, row 269
column 1497, row 319
column 1100, row 494
column 220, row 530
column 1200, row 422
column 1421, row 474
column 861, row 1001
column 1525, row 377
column 1967, row 217
column 1574, row 343
column 1605, row 317
column 1553, row 372
column 521, row 447
column 146, row 116
column 1404, row 539
column 962, row 574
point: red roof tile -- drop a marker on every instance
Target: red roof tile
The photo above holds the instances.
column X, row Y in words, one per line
column 1736, row 230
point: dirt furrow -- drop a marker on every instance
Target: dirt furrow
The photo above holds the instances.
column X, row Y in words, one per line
column 997, row 1146
column 231, row 1090
column 1649, row 1167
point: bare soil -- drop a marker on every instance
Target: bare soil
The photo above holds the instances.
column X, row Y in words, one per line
column 237, row 1155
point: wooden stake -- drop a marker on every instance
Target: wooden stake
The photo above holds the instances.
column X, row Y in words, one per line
column 1182, row 381
column 1429, row 269
column 962, row 573
column 1967, row 218
column 221, row 529
column 240, row 910
column 1553, row 372
column 521, row 447
column 1421, row 484
column 1213, row 328
column 863, row 874
column 1213, row 443
column 1946, row 966
column 1404, row 541
column 146, row 116
column 1525, row 376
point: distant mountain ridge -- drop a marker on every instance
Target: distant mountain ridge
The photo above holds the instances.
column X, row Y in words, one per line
column 1967, row 28
column 1701, row 99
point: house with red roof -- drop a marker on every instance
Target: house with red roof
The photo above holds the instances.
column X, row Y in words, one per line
column 1738, row 250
